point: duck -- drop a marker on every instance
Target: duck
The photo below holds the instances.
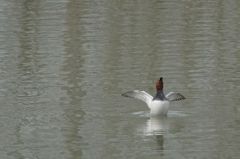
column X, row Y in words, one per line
column 159, row 104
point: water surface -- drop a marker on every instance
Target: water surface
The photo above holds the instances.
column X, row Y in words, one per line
column 64, row 65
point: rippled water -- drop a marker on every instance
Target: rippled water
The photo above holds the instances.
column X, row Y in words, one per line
column 64, row 65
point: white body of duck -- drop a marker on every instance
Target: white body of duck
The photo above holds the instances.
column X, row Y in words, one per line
column 158, row 105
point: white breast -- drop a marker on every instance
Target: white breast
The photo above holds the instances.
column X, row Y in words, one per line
column 159, row 107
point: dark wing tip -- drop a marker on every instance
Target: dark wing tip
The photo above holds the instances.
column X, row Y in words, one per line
column 181, row 98
column 126, row 94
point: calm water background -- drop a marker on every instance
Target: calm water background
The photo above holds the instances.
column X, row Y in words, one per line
column 64, row 65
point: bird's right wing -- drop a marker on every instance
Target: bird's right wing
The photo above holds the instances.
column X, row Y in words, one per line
column 141, row 95
column 173, row 96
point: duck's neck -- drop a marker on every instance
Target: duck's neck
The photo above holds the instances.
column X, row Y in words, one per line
column 159, row 95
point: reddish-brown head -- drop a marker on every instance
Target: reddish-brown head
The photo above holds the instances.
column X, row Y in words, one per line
column 159, row 84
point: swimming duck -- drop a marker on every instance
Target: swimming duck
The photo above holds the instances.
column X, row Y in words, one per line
column 159, row 104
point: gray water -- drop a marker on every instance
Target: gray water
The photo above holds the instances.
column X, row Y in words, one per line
column 64, row 65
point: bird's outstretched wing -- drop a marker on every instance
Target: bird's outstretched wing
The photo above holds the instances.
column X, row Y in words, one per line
column 173, row 96
column 141, row 95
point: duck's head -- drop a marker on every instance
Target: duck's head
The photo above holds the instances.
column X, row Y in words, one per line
column 159, row 84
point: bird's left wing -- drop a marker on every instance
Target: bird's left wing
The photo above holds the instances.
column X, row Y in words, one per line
column 141, row 95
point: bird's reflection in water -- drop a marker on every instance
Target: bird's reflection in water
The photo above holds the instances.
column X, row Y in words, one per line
column 157, row 126
column 160, row 141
